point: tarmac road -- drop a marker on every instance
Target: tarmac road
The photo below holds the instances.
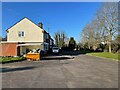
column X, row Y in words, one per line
column 80, row 71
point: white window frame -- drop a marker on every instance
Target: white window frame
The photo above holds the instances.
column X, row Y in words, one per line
column 21, row 34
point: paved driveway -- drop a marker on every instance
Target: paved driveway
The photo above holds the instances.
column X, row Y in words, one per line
column 83, row 71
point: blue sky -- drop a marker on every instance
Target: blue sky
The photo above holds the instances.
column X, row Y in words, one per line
column 69, row 17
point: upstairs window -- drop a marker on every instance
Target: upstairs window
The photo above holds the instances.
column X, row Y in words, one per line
column 21, row 34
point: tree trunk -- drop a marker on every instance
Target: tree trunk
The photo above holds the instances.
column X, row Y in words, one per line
column 110, row 43
column 109, row 47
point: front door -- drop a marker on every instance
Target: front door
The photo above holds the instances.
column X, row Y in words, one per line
column 18, row 51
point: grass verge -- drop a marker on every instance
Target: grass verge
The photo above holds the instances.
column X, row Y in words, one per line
column 10, row 59
column 105, row 55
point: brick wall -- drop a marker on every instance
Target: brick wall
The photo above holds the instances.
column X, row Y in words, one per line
column 8, row 49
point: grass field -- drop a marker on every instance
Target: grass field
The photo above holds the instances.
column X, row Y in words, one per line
column 10, row 59
column 105, row 55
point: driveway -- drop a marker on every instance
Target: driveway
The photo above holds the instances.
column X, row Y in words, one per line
column 80, row 71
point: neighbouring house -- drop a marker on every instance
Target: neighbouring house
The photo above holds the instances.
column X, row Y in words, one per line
column 24, row 36
column 51, row 43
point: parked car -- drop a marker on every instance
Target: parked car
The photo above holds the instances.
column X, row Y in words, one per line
column 55, row 50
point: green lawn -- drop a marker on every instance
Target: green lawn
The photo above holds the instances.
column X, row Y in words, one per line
column 105, row 55
column 10, row 59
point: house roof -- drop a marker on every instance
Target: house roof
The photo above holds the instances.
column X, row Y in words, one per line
column 23, row 19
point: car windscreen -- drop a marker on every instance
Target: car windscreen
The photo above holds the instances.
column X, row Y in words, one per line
column 56, row 48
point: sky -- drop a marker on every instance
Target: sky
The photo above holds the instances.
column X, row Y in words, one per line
column 70, row 17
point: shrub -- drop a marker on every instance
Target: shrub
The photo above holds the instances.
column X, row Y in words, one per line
column 115, row 48
column 11, row 59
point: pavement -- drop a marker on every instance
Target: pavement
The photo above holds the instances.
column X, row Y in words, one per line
column 65, row 71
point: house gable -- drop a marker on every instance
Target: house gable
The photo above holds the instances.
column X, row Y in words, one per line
column 32, row 33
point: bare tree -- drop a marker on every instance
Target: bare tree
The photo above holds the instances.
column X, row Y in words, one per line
column 56, row 39
column 60, row 38
column 108, row 21
column 103, row 28
column 88, row 35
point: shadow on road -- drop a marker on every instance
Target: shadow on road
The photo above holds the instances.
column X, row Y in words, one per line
column 74, row 52
column 62, row 56
column 56, row 58
column 70, row 52
column 3, row 70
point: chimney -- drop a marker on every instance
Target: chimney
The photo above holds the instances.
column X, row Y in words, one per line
column 40, row 25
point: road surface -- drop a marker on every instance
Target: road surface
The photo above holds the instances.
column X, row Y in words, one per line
column 79, row 71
